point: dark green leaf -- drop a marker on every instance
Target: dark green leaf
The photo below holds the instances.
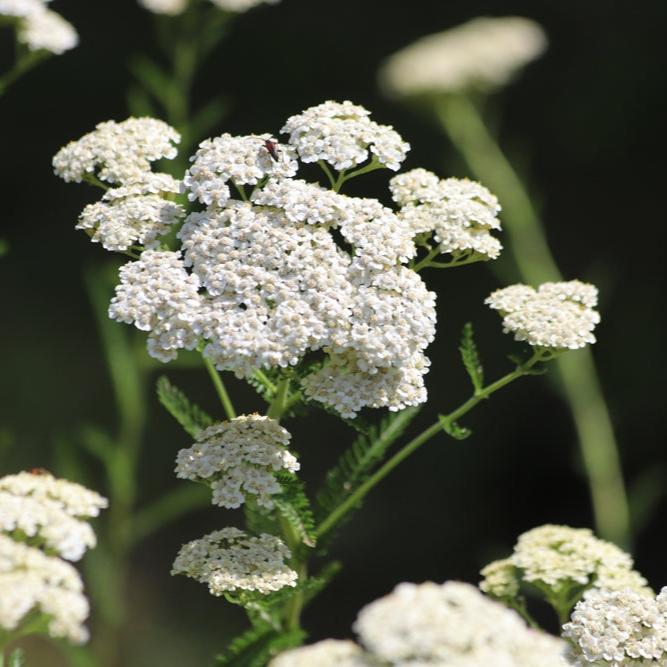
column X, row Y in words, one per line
column 470, row 357
column 190, row 416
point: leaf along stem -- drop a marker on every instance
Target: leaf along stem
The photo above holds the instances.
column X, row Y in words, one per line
column 354, row 498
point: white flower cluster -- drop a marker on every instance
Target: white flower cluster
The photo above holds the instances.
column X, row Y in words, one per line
column 556, row 315
column 483, row 54
column 561, row 557
column 230, row 560
column 327, row 653
column 239, row 458
column 342, row 134
column 619, row 629
column 39, row 28
column 157, row 295
column 46, row 512
column 432, row 625
column 175, row 7
column 264, row 282
column 459, row 212
column 239, row 160
column 139, row 209
column 118, row 153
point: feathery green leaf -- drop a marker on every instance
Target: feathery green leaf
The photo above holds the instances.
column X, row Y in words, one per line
column 470, row 357
column 294, row 505
column 190, row 416
column 356, row 463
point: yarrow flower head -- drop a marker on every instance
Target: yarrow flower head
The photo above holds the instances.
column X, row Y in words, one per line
column 327, row 653
column 556, row 315
column 483, row 54
column 231, row 561
column 46, row 512
column 21, row 8
column 561, row 558
column 620, row 628
column 175, row 7
column 142, row 219
column 47, row 31
column 239, row 458
column 342, row 134
column 117, row 153
column 460, row 213
column 236, row 160
column 451, row 624
column 157, row 295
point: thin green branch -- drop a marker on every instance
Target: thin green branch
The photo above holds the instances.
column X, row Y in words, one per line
column 279, row 404
column 465, row 126
column 220, row 389
column 362, row 490
column 327, row 171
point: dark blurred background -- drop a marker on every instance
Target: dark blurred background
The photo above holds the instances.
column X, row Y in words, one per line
column 584, row 123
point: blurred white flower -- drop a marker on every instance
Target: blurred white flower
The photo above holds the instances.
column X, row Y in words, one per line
column 451, row 625
column 47, row 31
column 175, row 7
column 483, row 54
column 560, row 557
column 39, row 512
column 327, row 653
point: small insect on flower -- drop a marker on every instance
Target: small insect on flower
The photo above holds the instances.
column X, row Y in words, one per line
column 39, row 471
column 271, row 147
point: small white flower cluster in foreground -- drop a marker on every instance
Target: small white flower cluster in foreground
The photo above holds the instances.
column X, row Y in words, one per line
column 47, row 513
column 39, row 28
column 621, row 628
column 483, row 54
column 239, row 458
column 175, row 7
column 448, row 625
column 230, row 561
column 459, row 212
column 560, row 557
column 556, row 315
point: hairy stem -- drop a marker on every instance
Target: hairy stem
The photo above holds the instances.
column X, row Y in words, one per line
column 362, row 490
column 466, row 128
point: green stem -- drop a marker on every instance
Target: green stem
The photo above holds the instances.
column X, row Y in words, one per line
column 22, row 65
column 279, row 404
column 220, row 389
column 362, row 490
column 465, row 126
column 327, row 171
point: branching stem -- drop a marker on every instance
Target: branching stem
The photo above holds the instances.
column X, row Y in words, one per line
column 360, row 492
column 220, row 389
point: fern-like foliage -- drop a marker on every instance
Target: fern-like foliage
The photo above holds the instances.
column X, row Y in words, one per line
column 454, row 429
column 190, row 416
column 256, row 646
column 470, row 357
column 294, row 507
column 357, row 462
